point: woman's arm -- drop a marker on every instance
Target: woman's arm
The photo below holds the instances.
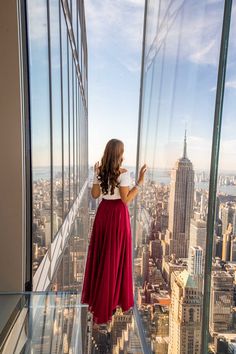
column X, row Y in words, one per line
column 95, row 190
column 126, row 194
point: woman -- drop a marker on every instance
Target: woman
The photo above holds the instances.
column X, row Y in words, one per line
column 108, row 274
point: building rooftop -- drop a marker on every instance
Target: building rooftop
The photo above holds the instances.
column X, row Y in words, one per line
column 186, row 279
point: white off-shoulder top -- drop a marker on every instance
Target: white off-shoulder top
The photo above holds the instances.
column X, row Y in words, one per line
column 123, row 179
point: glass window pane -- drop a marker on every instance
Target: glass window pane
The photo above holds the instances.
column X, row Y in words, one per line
column 40, row 127
column 65, row 58
column 71, row 140
column 222, row 296
column 74, row 17
column 70, row 273
column 74, row 129
column 178, row 102
column 76, row 136
column 79, row 38
column 56, row 114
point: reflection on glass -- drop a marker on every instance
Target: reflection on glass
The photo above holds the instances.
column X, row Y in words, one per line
column 76, row 137
column 222, row 322
column 71, row 126
column 45, row 323
column 55, row 121
column 78, row 37
column 74, row 16
column 56, row 115
column 69, row 275
column 65, row 87
column 178, row 100
column 40, row 127
column 74, row 131
column 83, row 147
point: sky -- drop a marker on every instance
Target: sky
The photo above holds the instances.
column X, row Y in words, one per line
column 181, row 65
column 114, row 36
column 187, row 99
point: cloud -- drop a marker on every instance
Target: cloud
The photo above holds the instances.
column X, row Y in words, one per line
column 116, row 26
column 203, row 56
column 231, row 84
column 192, row 31
column 37, row 17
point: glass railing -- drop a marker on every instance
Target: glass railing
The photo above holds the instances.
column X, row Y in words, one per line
column 56, row 322
column 47, row 322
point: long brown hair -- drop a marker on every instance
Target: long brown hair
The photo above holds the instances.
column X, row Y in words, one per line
column 109, row 170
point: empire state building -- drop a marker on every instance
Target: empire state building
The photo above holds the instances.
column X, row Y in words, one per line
column 180, row 206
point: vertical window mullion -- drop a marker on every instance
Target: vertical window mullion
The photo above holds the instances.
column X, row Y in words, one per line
column 73, row 120
column 62, row 114
column 68, row 74
column 50, row 109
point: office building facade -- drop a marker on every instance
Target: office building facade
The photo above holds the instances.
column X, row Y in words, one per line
column 185, row 315
column 221, row 308
column 180, row 206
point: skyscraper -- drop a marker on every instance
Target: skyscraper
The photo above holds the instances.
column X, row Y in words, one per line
column 203, row 204
column 196, row 265
column 196, row 261
column 145, row 263
column 227, row 216
column 180, row 205
column 233, row 250
column 221, row 314
column 227, row 244
column 185, row 314
column 197, row 235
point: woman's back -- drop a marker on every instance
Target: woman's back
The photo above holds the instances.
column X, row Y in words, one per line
column 124, row 180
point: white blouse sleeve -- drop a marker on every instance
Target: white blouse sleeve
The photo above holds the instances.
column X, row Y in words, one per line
column 125, row 179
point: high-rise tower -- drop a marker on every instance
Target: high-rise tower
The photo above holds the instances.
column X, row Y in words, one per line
column 180, row 206
column 185, row 314
column 221, row 306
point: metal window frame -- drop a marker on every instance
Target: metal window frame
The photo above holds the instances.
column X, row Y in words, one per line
column 48, row 264
column 50, row 112
column 24, row 52
column 75, row 54
column 51, row 118
column 29, row 181
column 69, row 112
column 62, row 113
column 71, row 130
column 214, row 172
column 65, row 79
column 141, row 333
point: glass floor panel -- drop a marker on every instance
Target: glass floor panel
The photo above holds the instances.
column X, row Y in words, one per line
column 42, row 322
column 56, row 322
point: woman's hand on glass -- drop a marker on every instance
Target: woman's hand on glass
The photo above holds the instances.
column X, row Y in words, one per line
column 96, row 167
column 142, row 174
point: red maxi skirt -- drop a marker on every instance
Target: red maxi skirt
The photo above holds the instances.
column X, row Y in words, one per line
column 108, row 278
